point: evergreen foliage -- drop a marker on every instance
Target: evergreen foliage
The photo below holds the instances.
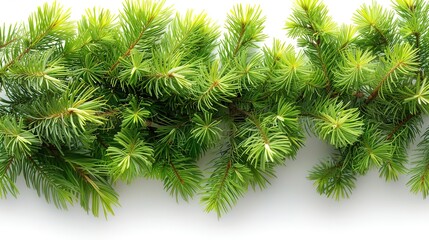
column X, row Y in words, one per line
column 147, row 92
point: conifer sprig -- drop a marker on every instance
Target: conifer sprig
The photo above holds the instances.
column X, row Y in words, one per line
column 147, row 93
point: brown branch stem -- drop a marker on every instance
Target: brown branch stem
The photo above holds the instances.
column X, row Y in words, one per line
column 240, row 39
column 374, row 93
column 176, row 173
column 27, row 50
column 401, row 123
column 8, row 42
column 132, row 46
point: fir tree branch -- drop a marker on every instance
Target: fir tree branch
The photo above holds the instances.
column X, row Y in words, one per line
column 167, row 93
column 11, row 62
column 374, row 93
column 316, row 44
column 315, row 25
column 93, row 187
column 101, row 141
column 133, row 44
column 417, row 36
column 58, row 18
column 245, row 26
column 4, row 172
column 9, row 163
column 194, row 32
column 258, row 126
column 224, row 178
column 400, row 124
column 8, row 43
column 420, row 72
column 374, row 19
column 403, row 60
column 51, row 185
column 383, row 36
column 333, row 179
column 324, row 68
column 84, row 176
column 176, row 172
column 240, row 38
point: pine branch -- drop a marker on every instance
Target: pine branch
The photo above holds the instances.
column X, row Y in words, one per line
column 131, row 156
column 7, row 177
column 216, row 86
column 148, row 94
column 401, row 61
column 240, row 39
column 8, row 165
column 419, row 181
column 333, row 179
column 223, row 180
column 384, row 38
column 54, row 21
column 324, row 68
column 218, row 195
column 93, row 188
column 49, row 181
column 374, row 93
column 377, row 25
column 228, row 181
column 245, row 26
column 142, row 20
column 399, row 125
column 5, row 44
column 191, row 35
column 313, row 26
column 316, row 44
column 176, row 172
column 132, row 46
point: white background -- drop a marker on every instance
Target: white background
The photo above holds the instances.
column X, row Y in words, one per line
column 289, row 209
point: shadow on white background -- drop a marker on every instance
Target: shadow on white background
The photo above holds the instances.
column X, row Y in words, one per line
column 289, row 209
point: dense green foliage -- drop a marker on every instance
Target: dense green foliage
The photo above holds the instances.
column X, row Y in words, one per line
column 147, row 93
